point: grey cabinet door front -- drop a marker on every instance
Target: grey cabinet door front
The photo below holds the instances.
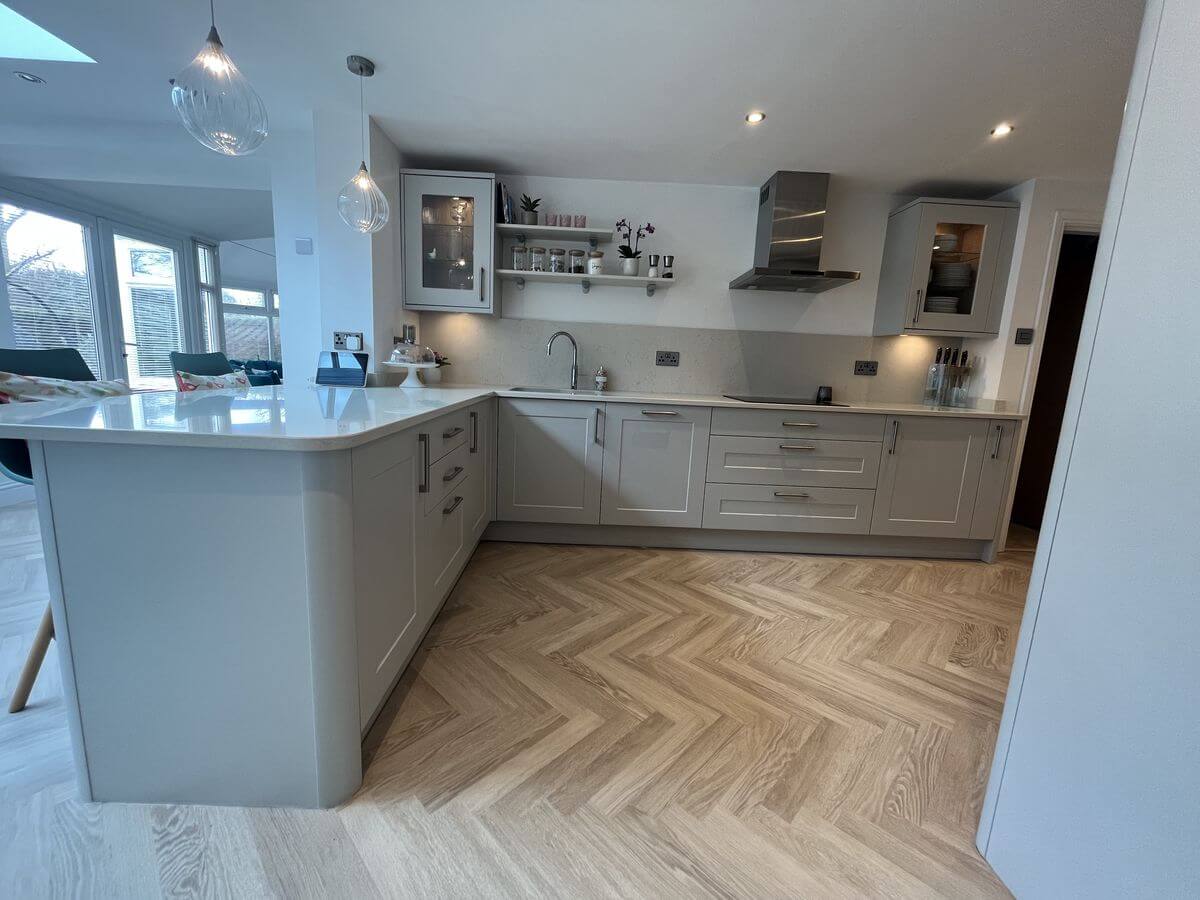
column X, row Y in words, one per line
column 993, row 478
column 654, row 461
column 929, row 476
column 386, row 515
column 550, row 461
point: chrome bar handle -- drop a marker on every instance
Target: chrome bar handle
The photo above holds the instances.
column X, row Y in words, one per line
column 453, row 473
column 999, row 438
column 452, row 432
column 797, row 447
column 452, row 507
column 800, row 424
column 797, row 494
column 596, row 428
column 481, row 297
column 659, row 412
column 474, row 432
column 917, row 310
column 895, row 436
column 423, row 487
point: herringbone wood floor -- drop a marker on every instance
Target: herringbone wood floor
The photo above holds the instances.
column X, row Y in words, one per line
column 614, row 722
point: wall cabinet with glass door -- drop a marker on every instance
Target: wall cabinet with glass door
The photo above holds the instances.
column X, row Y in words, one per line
column 448, row 238
column 945, row 267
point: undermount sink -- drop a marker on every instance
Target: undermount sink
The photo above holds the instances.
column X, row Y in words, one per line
column 550, row 390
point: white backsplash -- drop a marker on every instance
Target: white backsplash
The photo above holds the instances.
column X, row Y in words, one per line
column 484, row 350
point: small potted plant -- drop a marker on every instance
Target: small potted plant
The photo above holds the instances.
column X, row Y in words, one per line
column 529, row 209
column 631, row 256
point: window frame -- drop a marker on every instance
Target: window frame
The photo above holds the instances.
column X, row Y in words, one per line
column 267, row 311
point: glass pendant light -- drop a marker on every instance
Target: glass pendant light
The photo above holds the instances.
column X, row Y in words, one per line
column 215, row 102
column 361, row 203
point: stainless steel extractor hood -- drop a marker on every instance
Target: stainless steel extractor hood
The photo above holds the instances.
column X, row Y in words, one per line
column 787, row 245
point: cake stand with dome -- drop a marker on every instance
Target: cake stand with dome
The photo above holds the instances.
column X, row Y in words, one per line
column 412, row 357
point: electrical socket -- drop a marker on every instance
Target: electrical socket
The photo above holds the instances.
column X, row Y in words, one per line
column 666, row 358
column 866, row 367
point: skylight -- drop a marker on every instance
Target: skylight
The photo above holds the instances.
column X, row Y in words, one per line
column 22, row 39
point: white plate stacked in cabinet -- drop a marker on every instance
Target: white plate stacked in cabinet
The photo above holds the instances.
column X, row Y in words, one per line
column 786, row 470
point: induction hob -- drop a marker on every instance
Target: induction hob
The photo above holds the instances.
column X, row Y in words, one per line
column 788, row 401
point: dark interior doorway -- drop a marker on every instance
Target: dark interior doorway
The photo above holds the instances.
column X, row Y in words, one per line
column 1071, row 281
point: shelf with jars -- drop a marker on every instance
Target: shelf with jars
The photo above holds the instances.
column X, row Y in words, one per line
column 520, row 277
column 524, row 233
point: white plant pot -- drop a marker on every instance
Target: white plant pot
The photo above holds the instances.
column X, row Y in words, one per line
column 630, row 265
column 432, row 376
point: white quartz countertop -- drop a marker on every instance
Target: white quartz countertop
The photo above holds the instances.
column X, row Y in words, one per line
column 308, row 417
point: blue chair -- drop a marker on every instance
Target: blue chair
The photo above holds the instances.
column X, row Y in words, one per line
column 67, row 364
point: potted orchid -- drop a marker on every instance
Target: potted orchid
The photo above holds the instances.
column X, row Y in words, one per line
column 629, row 252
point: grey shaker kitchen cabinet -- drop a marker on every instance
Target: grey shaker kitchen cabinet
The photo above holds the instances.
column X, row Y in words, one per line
column 994, row 478
column 929, row 476
column 448, row 241
column 654, row 464
column 387, row 516
column 945, row 267
column 481, row 467
column 550, row 461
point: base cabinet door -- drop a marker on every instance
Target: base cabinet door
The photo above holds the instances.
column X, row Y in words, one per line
column 929, row 476
column 550, row 461
column 387, row 514
column 654, row 463
column 993, row 478
column 480, row 469
column 443, row 545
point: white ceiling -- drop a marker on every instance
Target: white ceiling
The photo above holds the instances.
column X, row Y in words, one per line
column 899, row 94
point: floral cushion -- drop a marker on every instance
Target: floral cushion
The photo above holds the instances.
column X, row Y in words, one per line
column 22, row 388
column 189, row 382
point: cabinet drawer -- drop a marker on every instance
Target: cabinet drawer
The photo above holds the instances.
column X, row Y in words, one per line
column 803, row 423
column 446, row 474
column 443, row 540
column 794, row 460
column 447, row 432
column 751, row 507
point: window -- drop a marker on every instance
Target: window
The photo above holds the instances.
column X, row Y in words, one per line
column 151, row 310
column 211, row 327
column 251, row 326
column 49, row 284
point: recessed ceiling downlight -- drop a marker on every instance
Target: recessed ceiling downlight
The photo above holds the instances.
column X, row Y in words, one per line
column 29, row 77
column 1003, row 129
column 753, row 118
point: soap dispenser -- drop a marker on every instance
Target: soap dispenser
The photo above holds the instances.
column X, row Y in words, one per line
column 601, row 379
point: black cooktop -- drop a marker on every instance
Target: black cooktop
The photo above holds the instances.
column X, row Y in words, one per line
column 789, row 401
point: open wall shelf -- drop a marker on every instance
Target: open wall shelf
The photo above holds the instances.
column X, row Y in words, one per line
column 586, row 281
column 525, row 233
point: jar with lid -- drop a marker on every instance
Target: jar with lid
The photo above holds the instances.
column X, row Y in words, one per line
column 595, row 263
column 537, row 259
column 558, row 259
column 575, row 263
column 520, row 257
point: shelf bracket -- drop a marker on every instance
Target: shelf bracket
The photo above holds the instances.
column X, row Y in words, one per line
column 649, row 290
column 520, row 237
column 593, row 242
column 586, row 285
column 520, row 284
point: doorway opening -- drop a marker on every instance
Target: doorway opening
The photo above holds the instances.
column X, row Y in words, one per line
column 1072, row 278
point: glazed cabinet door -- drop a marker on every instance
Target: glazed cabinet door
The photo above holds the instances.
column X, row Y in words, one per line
column 550, row 461
column 994, row 478
column 929, row 476
column 654, row 463
column 386, row 517
column 448, row 236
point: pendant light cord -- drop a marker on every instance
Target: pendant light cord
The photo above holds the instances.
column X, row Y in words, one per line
column 212, row 13
column 362, row 114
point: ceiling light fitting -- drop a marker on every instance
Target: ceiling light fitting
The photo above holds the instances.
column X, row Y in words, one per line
column 215, row 102
column 753, row 118
column 1002, row 129
column 361, row 204
column 29, row 77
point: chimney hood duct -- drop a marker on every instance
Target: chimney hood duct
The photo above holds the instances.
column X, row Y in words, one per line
column 787, row 245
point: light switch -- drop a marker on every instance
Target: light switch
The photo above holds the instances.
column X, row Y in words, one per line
column 304, row 247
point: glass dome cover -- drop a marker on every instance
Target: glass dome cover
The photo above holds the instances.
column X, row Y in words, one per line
column 412, row 355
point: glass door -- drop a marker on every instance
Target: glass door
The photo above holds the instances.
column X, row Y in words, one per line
column 149, row 284
column 48, row 295
column 956, row 266
column 447, row 241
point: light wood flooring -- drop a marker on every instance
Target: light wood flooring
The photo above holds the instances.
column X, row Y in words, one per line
column 593, row 722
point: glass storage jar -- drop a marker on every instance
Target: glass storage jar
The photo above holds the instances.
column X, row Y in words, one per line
column 520, row 258
column 558, row 260
column 537, row 259
column 575, row 264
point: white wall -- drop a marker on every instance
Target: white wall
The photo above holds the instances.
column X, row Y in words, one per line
column 1095, row 784
column 248, row 263
column 710, row 230
column 1002, row 369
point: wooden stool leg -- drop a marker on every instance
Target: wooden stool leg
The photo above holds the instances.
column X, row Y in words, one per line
column 33, row 662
